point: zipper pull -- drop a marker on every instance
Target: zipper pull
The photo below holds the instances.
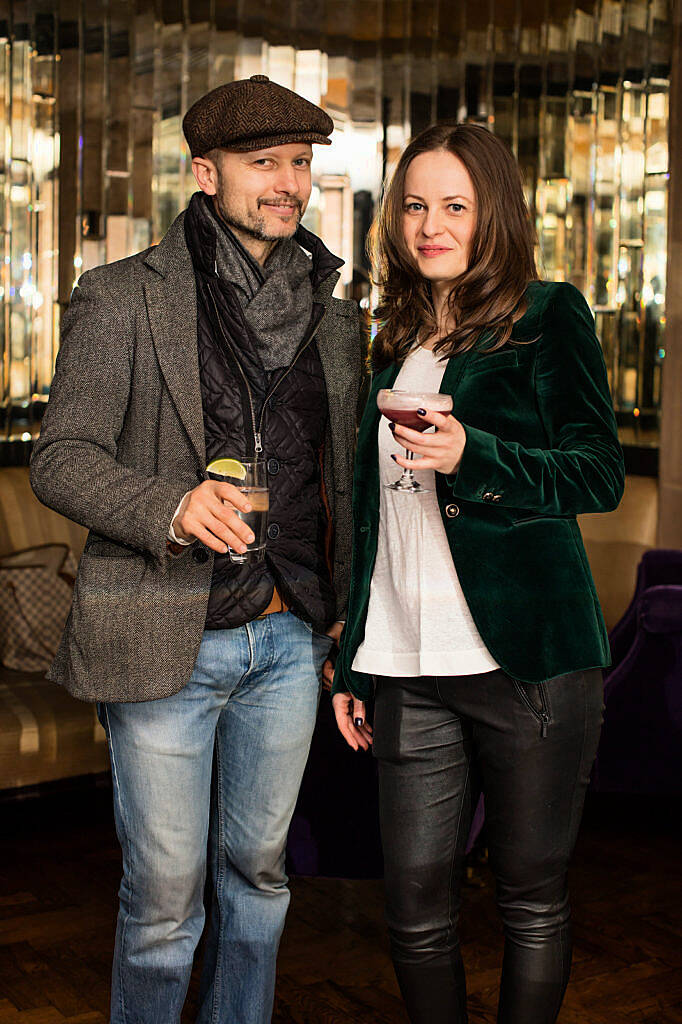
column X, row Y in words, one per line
column 258, row 447
column 545, row 723
column 215, row 267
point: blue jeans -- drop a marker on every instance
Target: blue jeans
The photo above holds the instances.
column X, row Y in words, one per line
column 250, row 705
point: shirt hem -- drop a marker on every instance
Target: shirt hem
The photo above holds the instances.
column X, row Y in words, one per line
column 446, row 663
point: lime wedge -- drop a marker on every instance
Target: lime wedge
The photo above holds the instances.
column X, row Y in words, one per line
column 227, row 467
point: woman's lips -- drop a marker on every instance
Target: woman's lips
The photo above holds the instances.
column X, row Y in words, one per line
column 432, row 250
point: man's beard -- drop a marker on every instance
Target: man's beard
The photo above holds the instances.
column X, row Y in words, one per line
column 255, row 225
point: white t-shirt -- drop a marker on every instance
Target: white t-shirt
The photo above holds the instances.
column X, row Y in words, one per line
column 418, row 621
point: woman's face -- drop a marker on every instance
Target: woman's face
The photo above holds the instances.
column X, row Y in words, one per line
column 439, row 215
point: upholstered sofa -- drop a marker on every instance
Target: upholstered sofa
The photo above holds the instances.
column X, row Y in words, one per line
column 44, row 733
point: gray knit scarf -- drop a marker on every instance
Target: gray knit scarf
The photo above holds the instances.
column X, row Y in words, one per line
column 277, row 299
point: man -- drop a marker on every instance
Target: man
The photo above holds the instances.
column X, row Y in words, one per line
column 223, row 341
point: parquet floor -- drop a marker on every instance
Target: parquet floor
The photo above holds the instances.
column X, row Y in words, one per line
column 59, row 871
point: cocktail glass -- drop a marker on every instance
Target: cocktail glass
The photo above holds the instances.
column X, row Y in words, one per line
column 401, row 407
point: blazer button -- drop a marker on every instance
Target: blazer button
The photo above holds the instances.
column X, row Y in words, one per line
column 273, row 531
column 488, row 496
column 200, row 556
column 452, row 511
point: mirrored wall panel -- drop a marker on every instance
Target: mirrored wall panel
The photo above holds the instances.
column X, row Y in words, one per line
column 93, row 165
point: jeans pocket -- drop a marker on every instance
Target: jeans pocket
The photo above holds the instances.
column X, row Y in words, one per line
column 307, row 625
column 534, row 698
column 102, row 716
column 315, row 634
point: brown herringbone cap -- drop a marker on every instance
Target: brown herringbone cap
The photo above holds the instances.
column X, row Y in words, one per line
column 253, row 113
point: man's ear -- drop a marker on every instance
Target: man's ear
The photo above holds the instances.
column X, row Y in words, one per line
column 206, row 174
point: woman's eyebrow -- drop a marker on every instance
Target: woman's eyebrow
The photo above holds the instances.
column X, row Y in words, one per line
column 445, row 199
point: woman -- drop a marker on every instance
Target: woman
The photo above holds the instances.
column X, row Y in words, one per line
column 473, row 613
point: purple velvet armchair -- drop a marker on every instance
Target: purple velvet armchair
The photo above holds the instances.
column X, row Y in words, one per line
column 657, row 568
column 641, row 744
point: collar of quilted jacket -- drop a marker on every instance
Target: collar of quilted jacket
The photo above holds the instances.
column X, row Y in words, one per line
column 277, row 298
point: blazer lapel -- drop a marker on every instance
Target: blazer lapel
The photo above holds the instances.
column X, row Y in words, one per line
column 333, row 347
column 366, row 489
column 454, row 372
column 332, row 355
column 172, row 310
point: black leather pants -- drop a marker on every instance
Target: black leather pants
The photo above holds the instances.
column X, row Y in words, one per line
column 438, row 740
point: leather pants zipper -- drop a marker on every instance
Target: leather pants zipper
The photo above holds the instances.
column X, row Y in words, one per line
column 257, row 432
column 543, row 714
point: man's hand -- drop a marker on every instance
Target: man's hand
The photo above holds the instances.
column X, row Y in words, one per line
column 334, row 632
column 208, row 514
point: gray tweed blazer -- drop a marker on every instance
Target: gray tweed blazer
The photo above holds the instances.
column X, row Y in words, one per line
column 122, row 440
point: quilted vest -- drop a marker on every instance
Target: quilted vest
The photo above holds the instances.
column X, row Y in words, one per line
column 285, row 414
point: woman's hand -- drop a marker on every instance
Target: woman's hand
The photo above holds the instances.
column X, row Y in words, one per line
column 349, row 711
column 441, row 451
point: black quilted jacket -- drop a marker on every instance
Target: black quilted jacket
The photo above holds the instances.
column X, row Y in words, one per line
column 284, row 413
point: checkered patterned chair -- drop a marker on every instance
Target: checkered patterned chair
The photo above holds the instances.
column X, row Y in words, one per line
column 45, row 734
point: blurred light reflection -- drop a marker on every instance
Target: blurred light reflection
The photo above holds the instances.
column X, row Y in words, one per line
column 93, row 164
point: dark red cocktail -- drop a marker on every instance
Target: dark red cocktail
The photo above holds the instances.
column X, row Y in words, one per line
column 401, row 407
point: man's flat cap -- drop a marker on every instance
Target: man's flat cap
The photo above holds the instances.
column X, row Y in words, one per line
column 253, row 113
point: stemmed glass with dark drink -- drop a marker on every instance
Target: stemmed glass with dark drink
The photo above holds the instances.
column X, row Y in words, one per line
column 401, row 407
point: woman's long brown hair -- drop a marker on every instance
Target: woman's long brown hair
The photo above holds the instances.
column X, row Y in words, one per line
column 490, row 292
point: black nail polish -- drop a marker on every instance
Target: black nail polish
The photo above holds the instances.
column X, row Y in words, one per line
column 391, row 426
column 421, row 412
column 358, row 722
column 394, row 457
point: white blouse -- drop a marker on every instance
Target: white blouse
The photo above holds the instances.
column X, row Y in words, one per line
column 418, row 621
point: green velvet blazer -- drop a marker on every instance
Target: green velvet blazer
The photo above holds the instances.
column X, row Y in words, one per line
column 541, row 448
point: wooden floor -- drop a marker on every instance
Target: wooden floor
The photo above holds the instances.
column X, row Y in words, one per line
column 59, row 871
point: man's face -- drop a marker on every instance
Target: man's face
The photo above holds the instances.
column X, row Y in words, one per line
column 262, row 195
